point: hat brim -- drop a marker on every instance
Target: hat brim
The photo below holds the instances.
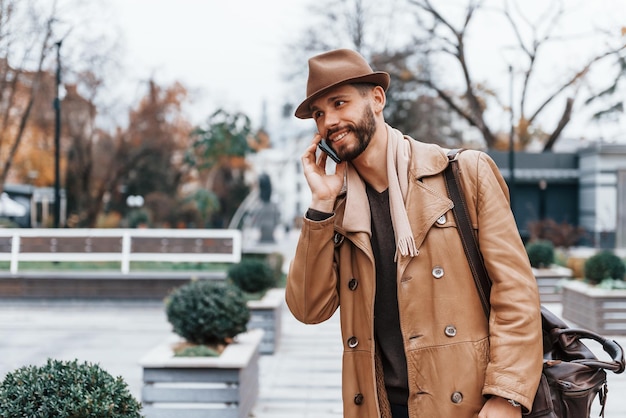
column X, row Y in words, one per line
column 379, row 78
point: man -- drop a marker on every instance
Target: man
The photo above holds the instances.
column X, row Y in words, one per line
column 380, row 240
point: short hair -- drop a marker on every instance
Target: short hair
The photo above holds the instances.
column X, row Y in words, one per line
column 364, row 88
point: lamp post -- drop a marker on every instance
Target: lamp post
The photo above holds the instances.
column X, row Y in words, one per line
column 135, row 202
column 57, row 141
column 511, row 143
column 543, row 185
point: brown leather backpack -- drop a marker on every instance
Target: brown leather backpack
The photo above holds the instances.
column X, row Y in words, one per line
column 572, row 375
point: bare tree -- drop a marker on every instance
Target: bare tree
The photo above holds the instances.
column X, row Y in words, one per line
column 354, row 24
column 25, row 42
column 386, row 37
column 31, row 35
column 448, row 38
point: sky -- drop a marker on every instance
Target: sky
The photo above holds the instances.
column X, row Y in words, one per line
column 230, row 53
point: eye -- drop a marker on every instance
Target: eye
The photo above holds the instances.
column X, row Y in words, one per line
column 339, row 103
column 317, row 114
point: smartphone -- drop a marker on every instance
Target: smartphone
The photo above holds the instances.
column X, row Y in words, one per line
column 323, row 145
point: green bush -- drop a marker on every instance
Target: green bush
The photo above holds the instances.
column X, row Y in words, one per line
column 540, row 253
column 252, row 275
column 66, row 390
column 604, row 265
column 197, row 351
column 207, row 312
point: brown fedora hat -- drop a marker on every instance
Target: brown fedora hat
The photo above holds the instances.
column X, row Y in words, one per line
column 335, row 68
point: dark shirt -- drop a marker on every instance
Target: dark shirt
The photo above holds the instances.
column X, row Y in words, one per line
column 386, row 315
column 316, row 215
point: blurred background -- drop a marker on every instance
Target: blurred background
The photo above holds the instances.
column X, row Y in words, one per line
column 179, row 114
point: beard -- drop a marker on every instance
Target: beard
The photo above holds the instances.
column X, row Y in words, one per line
column 363, row 130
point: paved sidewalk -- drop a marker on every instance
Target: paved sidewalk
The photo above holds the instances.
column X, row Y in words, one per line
column 301, row 380
column 113, row 334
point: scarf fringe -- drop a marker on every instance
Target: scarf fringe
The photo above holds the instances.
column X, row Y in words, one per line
column 406, row 247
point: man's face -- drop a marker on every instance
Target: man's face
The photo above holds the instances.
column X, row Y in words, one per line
column 345, row 118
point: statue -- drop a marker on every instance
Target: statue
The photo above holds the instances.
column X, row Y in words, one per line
column 267, row 216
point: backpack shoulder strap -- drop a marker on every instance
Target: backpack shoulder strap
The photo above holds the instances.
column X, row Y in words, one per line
column 466, row 232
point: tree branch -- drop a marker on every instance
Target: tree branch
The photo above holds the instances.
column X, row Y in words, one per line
column 476, row 111
column 574, row 79
column 565, row 118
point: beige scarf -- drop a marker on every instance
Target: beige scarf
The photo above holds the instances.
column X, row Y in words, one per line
column 398, row 160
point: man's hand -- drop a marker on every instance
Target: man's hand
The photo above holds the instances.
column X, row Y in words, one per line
column 324, row 187
column 497, row 407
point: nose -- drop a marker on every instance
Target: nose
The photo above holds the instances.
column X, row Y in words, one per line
column 330, row 120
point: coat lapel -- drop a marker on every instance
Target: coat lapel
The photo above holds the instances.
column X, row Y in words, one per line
column 424, row 205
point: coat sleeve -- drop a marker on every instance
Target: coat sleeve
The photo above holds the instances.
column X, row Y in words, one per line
column 311, row 292
column 515, row 336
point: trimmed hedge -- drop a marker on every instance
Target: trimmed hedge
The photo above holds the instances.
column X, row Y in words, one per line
column 540, row 253
column 207, row 312
column 252, row 275
column 604, row 265
column 64, row 389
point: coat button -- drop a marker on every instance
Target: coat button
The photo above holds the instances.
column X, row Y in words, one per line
column 353, row 342
column 437, row 272
column 358, row 399
column 353, row 284
column 450, row 331
column 338, row 239
column 442, row 220
column 457, row 397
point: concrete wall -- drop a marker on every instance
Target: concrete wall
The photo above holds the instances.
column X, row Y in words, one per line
column 603, row 193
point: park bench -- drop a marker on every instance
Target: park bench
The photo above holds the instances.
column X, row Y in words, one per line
column 123, row 246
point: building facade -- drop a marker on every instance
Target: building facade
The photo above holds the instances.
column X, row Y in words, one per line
column 586, row 188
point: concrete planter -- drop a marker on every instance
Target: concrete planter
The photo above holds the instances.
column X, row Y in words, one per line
column 599, row 310
column 265, row 314
column 209, row 387
column 549, row 281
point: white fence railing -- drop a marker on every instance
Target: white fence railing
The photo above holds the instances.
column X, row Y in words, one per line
column 121, row 245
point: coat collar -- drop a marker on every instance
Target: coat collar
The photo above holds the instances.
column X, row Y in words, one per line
column 427, row 160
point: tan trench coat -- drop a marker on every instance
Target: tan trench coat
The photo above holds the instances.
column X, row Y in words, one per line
column 454, row 358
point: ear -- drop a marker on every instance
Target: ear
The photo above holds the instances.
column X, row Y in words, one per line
column 379, row 99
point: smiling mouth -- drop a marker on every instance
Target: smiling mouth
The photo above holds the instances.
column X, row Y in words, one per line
column 340, row 136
